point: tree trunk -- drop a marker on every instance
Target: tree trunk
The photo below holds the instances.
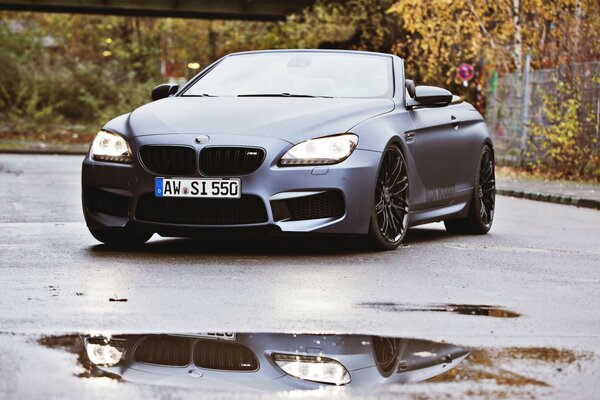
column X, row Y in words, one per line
column 518, row 45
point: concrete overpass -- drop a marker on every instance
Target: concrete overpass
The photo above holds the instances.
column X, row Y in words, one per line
column 263, row 10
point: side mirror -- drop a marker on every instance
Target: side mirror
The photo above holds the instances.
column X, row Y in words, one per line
column 164, row 90
column 430, row 96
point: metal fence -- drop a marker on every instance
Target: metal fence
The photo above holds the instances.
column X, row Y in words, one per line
column 515, row 101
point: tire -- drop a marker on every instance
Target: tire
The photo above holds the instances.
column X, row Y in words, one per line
column 482, row 205
column 389, row 216
column 120, row 237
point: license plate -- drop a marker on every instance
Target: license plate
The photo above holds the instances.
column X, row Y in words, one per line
column 211, row 188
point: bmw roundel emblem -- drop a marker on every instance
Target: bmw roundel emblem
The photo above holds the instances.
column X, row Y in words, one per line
column 202, row 139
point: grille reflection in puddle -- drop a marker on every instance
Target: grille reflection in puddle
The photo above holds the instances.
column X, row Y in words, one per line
column 261, row 361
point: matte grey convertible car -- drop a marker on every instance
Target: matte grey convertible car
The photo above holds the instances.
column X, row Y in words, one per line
column 335, row 142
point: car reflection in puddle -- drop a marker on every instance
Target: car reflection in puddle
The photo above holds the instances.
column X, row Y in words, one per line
column 262, row 361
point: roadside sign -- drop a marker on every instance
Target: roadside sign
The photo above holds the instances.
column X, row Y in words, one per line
column 465, row 72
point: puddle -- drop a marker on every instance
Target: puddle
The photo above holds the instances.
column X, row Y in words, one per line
column 463, row 309
column 283, row 362
column 263, row 361
column 515, row 366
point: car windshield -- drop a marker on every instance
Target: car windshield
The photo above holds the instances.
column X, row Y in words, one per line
column 298, row 74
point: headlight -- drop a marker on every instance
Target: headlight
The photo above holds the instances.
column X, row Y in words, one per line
column 326, row 150
column 110, row 147
column 103, row 351
column 313, row 368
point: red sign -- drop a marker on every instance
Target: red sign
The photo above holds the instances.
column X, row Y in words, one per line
column 465, row 72
column 172, row 69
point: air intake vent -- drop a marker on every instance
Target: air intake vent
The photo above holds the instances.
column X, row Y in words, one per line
column 328, row 204
column 99, row 200
column 226, row 356
column 169, row 160
column 226, row 161
column 246, row 210
column 164, row 350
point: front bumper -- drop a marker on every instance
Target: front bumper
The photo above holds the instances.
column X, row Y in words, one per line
column 354, row 178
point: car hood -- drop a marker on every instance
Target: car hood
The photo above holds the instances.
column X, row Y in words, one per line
column 291, row 119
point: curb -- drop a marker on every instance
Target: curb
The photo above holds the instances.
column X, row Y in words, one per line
column 551, row 198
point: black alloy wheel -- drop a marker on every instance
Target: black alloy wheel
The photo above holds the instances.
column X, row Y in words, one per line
column 487, row 188
column 389, row 219
column 483, row 202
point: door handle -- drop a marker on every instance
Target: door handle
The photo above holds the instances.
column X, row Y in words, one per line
column 455, row 121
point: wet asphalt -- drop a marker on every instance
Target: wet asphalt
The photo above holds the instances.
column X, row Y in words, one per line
column 532, row 283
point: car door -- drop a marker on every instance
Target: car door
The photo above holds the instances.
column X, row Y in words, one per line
column 435, row 147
